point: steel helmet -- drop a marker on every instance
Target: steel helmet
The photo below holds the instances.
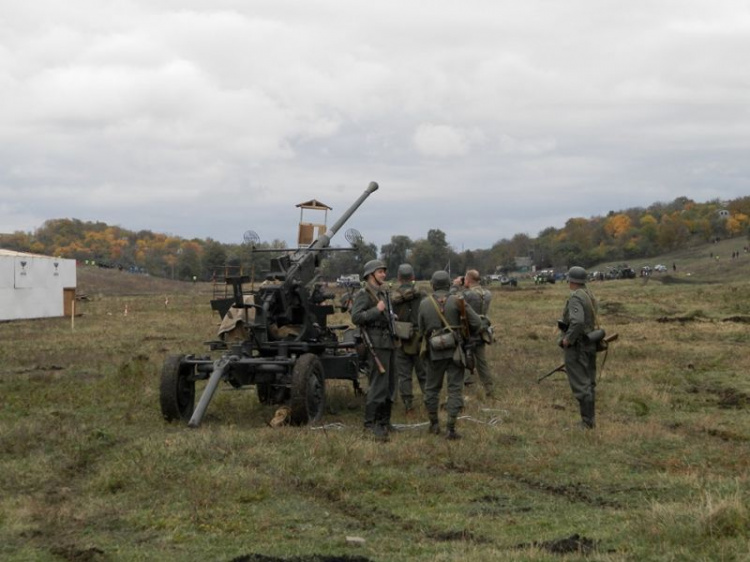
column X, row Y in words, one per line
column 440, row 280
column 577, row 274
column 405, row 271
column 371, row 266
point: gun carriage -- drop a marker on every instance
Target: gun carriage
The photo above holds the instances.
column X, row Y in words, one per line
column 288, row 349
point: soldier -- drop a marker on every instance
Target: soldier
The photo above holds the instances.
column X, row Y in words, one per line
column 579, row 318
column 406, row 299
column 369, row 313
column 438, row 322
column 478, row 298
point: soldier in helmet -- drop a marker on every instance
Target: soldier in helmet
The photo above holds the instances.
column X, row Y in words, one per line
column 438, row 320
column 477, row 297
column 406, row 299
column 369, row 313
column 579, row 318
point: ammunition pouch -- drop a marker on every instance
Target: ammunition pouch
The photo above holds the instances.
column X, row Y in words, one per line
column 404, row 330
column 443, row 340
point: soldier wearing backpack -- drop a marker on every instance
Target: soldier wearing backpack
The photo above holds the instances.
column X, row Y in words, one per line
column 439, row 324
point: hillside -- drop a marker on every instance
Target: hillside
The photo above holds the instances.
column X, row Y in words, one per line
column 705, row 263
column 98, row 281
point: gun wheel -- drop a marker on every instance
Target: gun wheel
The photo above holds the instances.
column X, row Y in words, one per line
column 308, row 390
column 177, row 389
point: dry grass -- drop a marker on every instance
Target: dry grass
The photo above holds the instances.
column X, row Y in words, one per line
column 89, row 470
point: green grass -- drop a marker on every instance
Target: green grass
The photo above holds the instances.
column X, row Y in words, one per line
column 90, row 471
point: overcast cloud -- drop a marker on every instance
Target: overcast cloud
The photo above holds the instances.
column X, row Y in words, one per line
column 481, row 118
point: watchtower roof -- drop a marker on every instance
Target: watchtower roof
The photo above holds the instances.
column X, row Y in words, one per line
column 314, row 204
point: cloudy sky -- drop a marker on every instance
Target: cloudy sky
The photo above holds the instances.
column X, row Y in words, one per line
column 484, row 118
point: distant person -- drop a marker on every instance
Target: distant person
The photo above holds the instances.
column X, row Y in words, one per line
column 439, row 316
column 369, row 314
column 578, row 319
column 406, row 298
column 478, row 298
column 674, row 266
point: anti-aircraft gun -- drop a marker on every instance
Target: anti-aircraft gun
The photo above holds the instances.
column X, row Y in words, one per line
column 289, row 349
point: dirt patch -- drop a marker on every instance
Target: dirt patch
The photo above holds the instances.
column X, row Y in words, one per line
column 461, row 535
column 726, row 435
column 496, row 505
column 680, row 319
column 738, row 319
column 310, row 558
column 573, row 543
column 728, row 397
column 732, row 398
column 612, row 307
column 75, row 554
column 574, row 492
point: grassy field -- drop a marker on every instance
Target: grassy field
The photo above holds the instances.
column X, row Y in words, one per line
column 89, row 471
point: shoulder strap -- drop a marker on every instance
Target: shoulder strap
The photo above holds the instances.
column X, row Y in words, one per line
column 593, row 308
column 440, row 313
column 369, row 290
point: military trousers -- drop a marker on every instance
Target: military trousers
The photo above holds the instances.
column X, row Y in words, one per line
column 406, row 364
column 580, row 366
column 482, row 368
column 437, row 370
column 381, row 387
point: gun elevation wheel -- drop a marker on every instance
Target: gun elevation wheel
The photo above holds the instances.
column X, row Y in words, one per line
column 308, row 390
column 177, row 390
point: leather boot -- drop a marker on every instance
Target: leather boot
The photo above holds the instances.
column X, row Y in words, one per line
column 434, row 425
column 370, row 413
column 387, row 408
column 452, row 434
column 588, row 413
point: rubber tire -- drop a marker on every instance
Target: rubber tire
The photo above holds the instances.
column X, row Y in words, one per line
column 176, row 392
column 308, row 392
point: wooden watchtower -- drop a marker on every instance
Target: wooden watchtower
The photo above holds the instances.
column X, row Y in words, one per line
column 311, row 231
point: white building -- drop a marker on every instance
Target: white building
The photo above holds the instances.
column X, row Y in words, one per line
column 35, row 286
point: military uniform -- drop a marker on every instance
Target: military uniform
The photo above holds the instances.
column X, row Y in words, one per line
column 479, row 298
column 406, row 299
column 440, row 364
column 380, row 392
column 578, row 319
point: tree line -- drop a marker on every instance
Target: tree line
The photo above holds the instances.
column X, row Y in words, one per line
column 619, row 236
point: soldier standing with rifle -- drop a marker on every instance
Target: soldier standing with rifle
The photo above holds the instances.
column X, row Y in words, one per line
column 439, row 323
column 579, row 319
column 478, row 298
column 370, row 314
column 406, row 299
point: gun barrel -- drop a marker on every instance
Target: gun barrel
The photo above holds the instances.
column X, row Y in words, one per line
column 325, row 239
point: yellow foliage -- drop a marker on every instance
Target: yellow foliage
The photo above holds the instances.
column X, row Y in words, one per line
column 617, row 225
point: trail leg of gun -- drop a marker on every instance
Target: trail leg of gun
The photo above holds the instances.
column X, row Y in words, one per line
column 213, row 381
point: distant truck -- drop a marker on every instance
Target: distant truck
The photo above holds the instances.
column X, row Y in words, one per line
column 349, row 280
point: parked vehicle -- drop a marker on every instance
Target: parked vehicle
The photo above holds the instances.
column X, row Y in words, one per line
column 349, row 280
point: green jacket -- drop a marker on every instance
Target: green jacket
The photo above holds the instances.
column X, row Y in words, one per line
column 579, row 315
column 366, row 316
column 429, row 321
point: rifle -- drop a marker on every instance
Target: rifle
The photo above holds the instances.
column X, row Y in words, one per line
column 391, row 316
column 561, row 367
column 467, row 344
column 371, row 349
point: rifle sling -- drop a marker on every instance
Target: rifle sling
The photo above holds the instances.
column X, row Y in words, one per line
column 440, row 313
